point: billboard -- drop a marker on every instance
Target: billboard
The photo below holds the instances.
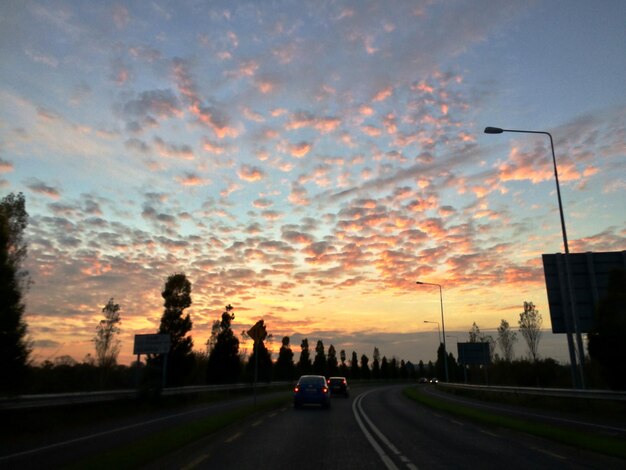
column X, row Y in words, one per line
column 474, row 353
column 590, row 276
column 152, row 344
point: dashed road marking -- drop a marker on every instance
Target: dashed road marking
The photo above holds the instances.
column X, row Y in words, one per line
column 233, row 437
column 193, row 464
column 551, row 454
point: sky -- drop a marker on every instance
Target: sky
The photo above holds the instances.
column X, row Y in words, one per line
column 307, row 162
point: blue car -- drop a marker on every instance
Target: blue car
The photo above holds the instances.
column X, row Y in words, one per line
column 311, row 389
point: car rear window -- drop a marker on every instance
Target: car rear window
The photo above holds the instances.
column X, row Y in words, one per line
column 311, row 380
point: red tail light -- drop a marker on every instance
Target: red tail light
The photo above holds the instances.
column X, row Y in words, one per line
column 296, row 389
column 325, row 390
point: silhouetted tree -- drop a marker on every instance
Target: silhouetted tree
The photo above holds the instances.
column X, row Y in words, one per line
column 284, row 369
column 319, row 363
column 476, row 336
column 106, row 339
column 264, row 372
column 385, row 374
column 365, row 368
column 304, row 363
column 177, row 297
column 343, row 368
column 453, row 368
column 605, row 340
column 393, row 368
column 376, row 364
column 506, row 340
column 404, row 372
column 224, row 364
column 331, row 362
column 14, row 345
column 215, row 330
column 421, row 369
column 440, row 366
column 530, row 326
column 354, row 366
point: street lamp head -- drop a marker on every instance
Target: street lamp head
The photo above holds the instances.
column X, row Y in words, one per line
column 418, row 282
column 493, row 130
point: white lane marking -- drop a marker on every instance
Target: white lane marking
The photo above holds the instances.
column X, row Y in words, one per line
column 233, row 437
column 257, row 423
column 96, row 435
column 195, row 462
column 379, row 434
column 551, row 454
column 381, row 453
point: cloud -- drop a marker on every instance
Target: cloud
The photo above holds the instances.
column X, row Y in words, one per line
column 250, row 173
column 39, row 187
column 165, row 149
column 192, row 179
column 5, row 166
column 300, row 150
column 209, row 116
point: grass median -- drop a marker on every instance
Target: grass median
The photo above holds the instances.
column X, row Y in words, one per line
column 603, row 444
column 149, row 449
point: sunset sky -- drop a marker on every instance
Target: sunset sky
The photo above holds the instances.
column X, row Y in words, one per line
column 308, row 161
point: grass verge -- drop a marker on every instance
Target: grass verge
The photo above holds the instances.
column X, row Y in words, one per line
column 151, row 448
column 602, row 444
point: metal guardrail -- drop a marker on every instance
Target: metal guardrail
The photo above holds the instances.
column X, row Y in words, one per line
column 545, row 392
column 65, row 399
column 45, row 400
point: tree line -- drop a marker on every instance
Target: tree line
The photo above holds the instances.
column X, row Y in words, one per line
column 223, row 361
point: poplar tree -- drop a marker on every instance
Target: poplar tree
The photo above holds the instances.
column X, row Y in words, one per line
column 284, row 369
column 506, row 340
column 14, row 345
column 106, row 339
column 530, row 327
column 177, row 297
column 319, row 363
column 224, row 364
column 304, row 363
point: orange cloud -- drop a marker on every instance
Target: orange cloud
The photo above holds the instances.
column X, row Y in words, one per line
column 250, row 173
column 300, row 149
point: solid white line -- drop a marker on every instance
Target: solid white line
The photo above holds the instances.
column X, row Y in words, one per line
column 92, row 436
column 377, row 431
column 384, row 457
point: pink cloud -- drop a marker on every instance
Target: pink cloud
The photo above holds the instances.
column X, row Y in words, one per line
column 300, row 149
column 250, row 173
column 383, row 94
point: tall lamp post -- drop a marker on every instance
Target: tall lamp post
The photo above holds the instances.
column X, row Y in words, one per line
column 580, row 352
column 438, row 329
column 443, row 326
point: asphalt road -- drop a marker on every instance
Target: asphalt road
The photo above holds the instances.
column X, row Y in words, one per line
column 378, row 429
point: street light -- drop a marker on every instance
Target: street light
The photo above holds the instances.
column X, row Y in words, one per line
column 580, row 352
column 443, row 325
column 438, row 330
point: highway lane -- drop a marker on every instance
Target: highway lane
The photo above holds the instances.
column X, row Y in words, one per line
column 379, row 428
column 56, row 448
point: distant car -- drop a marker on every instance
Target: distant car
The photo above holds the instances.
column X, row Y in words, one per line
column 311, row 389
column 434, row 380
column 422, row 380
column 339, row 386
